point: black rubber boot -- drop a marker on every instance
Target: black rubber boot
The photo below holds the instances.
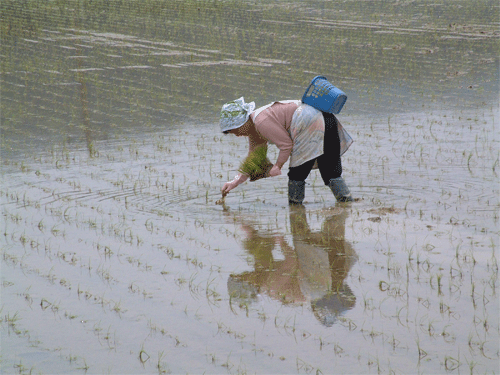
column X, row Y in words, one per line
column 296, row 191
column 340, row 190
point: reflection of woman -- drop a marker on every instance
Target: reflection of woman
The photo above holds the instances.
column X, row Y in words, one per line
column 324, row 260
column 309, row 137
column 276, row 278
column 313, row 270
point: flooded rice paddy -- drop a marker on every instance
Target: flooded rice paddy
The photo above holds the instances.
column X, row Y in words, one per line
column 116, row 259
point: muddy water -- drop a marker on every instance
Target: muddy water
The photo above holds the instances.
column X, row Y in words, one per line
column 115, row 257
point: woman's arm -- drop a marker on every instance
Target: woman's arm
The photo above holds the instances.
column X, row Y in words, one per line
column 280, row 137
column 259, row 141
column 254, row 141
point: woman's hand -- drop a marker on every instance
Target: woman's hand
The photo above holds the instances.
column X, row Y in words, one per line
column 275, row 171
column 230, row 185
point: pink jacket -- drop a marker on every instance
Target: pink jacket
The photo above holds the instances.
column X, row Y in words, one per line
column 273, row 122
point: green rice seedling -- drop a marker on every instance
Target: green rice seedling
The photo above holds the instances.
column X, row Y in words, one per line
column 256, row 165
column 421, row 352
column 212, row 357
column 21, row 369
column 228, row 364
column 162, row 366
column 84, row 367
column 451, row 363
column 11, row 320
column 471, row 365
column 117, row 307
column 143, row 356
column 439, row 277
column 338, row 350
column 303, row 365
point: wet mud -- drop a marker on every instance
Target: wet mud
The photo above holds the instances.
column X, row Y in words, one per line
column 118, row 254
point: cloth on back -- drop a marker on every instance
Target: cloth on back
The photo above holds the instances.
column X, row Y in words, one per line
column 307, row 131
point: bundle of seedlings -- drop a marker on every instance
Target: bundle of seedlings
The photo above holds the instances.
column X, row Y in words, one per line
column 256, row 165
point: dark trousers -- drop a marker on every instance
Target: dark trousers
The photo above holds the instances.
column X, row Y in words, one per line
column 329, row 164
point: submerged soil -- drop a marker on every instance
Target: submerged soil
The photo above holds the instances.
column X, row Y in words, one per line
column 116, row 257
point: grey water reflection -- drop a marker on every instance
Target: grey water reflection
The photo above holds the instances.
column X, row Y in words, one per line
column 313, row 270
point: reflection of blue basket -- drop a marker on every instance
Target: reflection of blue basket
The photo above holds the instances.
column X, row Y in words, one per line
column 322, row 95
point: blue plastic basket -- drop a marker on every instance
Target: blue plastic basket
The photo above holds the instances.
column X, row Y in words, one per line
column 322, row 95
